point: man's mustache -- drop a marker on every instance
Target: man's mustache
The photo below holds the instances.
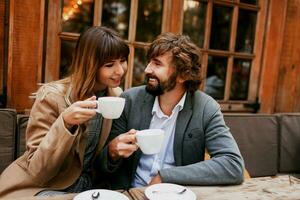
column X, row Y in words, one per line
column 148, row 76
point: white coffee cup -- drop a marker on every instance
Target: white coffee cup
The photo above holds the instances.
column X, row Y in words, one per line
column 150, row 141
column 110, row 107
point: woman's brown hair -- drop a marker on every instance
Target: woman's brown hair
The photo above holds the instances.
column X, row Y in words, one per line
column 186, row 57
column 95, row 47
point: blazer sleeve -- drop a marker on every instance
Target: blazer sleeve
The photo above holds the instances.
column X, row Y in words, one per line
column 48, row 140
column 226, row 164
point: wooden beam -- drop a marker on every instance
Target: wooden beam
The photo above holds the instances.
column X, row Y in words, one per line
column 2, row 21
column 53, row 41
column 176, row 19
column 272, row 52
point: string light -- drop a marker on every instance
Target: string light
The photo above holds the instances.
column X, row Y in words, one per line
column 70, row 10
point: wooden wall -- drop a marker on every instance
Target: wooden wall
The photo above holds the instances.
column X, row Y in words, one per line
column 280, row 78
column 279, row 86
column 288, row 92
column 25, row 51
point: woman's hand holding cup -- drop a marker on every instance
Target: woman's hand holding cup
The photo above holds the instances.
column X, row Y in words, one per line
column 79, row 112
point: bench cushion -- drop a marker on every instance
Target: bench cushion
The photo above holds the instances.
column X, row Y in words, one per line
column 21, row 141
column 289, row 143
column 8, row 122
column 257, row 138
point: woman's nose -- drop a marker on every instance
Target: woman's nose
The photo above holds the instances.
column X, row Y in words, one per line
column 119, row 69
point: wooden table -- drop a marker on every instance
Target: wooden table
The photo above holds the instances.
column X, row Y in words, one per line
column 280, row 187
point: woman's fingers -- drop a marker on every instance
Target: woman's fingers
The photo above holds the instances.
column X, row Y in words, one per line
column 80, row 111
column 86, row 104
column 92, row 98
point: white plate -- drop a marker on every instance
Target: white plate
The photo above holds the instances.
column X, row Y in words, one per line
column 104, row 195
column 168, row 191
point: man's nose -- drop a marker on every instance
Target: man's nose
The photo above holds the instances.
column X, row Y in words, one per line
column 148, row 69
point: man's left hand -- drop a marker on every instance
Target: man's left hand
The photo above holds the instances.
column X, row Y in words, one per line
column 156, row 179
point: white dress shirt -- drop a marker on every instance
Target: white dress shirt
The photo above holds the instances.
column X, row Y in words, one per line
column 149, row 165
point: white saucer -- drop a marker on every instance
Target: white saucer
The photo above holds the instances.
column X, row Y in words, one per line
column 167, row 191
column 104, row 195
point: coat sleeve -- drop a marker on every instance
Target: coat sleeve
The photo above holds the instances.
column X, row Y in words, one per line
column 226, row 164
column 47, row 139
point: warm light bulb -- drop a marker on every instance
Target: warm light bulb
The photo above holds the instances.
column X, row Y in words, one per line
column 65, row 17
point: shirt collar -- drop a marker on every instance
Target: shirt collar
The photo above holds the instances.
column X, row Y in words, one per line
column 156, row 108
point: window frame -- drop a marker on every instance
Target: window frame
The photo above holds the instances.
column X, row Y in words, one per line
column 172, row 9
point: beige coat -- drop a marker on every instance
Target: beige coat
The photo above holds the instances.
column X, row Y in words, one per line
column 54, row 157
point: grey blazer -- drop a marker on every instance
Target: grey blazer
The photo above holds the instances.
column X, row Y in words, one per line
column 199, row 126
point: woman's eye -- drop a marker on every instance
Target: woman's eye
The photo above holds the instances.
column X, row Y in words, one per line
column 109, row 65
column 123, row 60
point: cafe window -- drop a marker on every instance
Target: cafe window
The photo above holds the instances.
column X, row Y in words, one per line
column 138, row 22
column 226, row 32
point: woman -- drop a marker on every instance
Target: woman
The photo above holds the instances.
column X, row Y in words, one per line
column 63, row 132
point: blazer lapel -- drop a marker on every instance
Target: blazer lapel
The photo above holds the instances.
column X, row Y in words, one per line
column 182, row 121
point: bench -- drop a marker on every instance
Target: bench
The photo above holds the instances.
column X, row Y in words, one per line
column 269, row 143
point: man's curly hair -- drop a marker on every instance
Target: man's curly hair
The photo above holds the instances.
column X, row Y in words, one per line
column 186, row 57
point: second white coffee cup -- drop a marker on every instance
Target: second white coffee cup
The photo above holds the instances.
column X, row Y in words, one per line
column 150, row 141
column 110, row 107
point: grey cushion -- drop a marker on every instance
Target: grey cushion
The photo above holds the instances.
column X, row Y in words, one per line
column 289, row 143
column 257, row 138
column 21, row 141
column 8, row 118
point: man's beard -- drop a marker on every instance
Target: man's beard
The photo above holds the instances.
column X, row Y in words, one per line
column 161, row 87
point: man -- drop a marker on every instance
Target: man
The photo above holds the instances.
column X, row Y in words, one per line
column 192, row 122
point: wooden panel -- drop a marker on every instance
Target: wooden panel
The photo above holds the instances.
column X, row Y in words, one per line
column 2, row 15
column 25, row 51
column 288, row 95
column 272, row 52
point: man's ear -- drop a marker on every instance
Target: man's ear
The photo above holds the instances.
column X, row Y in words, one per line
column 180, row 79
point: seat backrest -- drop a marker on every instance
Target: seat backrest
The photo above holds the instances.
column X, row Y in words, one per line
column 21, row 134
column 257, row 138
column 8, row 122
column 289, row 143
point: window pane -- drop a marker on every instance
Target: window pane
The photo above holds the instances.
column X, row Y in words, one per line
column 77, row 15
column 194, row 20
column 140, row 63
column 149, row 20
column 221, row 25
column 216, row 77
column 67, row 48
column 115, row 14
column 249, row 1
column 240, row 79
column 245, row 31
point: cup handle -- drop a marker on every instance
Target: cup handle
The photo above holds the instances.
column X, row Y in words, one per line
column 97, row 109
